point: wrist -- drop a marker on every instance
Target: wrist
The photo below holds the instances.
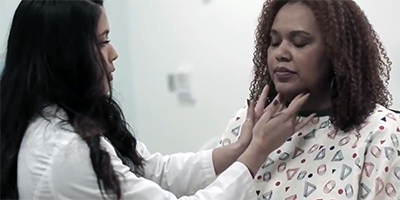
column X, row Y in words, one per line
column 259, row 148
column 253, row 157
column 239, row 147
column 243, row 142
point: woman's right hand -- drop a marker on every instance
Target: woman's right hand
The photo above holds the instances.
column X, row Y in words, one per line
column 278, row 123
column 272, row 129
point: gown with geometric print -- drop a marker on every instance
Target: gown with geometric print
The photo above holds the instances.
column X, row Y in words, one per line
column 321, row 163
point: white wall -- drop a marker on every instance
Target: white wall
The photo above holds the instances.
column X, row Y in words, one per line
column 7, row 9
column 216, row 38
column 154, row 37
column 119, row 19
column 383, row 16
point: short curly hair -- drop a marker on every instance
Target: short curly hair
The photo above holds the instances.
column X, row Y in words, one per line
column 354, row 50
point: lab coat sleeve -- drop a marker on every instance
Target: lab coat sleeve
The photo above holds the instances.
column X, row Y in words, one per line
column 72, row 177
column 181, row 173
column 232, row 130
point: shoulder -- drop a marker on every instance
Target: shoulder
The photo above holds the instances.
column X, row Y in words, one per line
column 381, row 111
column 382, row 120
column 44, row 139
column 49, row 131
column 381, row 165
column 53, row 138
column 232, row 130
column 382, row 129
column 57, row 156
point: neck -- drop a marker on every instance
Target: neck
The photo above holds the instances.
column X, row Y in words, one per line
column 317, row 102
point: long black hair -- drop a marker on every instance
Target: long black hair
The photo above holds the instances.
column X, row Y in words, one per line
column 54, row 58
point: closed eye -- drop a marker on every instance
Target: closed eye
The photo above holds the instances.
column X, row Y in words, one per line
column 299, row 45
column 275, row 44
column 105, row 42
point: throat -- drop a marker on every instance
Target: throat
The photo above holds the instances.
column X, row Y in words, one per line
column 320, row 105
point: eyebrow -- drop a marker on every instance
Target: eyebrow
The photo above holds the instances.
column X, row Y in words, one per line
column 292, row 33
column 105, row 32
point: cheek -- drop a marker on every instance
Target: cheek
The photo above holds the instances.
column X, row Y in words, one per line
column 104, row 52
column 311, row 66
column 271, row 61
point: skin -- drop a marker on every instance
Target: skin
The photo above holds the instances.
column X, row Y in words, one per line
column 297, row 44
column 107, row 49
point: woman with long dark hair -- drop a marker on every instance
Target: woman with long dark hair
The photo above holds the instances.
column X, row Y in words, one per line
column 64, row 137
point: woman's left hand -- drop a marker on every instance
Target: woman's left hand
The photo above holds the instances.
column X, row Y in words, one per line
column 254, row 112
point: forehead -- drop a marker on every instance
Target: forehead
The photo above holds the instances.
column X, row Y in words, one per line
column 103, row 22
column 295, row 16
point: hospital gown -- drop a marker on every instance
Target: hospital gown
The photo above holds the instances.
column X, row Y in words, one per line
column 318, row 162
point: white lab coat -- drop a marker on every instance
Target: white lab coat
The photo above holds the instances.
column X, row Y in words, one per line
column 54, row 163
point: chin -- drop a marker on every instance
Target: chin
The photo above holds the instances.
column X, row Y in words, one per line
column 287, row 90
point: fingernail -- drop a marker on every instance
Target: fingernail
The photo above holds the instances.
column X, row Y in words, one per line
column 248, row 102
column 276, row 102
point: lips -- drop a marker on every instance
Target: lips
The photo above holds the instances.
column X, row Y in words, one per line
column 283, row 74
column 110, row 75
column 283, row 70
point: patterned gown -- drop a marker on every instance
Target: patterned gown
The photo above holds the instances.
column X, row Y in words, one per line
column 320, row 163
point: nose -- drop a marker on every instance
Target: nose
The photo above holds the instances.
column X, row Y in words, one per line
column 113, row 54
column 282, row 53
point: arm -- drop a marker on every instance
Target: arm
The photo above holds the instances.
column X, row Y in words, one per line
column 253, row 156
column 230, row 148
column 199, row 169
column 72, row 181
column 186, row 173
column 233, row 129
column 380, row 178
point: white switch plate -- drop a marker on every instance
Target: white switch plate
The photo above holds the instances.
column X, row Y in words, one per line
column 181, row 83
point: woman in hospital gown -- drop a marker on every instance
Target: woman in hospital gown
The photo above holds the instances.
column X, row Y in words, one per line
column 350, row 150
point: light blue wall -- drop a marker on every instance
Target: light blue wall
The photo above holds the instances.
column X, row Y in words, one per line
column 117, row 13
column 119, row 21
column 7, row 9
column 1, row 65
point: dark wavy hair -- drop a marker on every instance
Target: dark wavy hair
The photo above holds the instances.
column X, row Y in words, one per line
column 354, row 50
column 54, row 58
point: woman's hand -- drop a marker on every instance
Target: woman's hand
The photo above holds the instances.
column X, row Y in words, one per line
column 275, row 125
column 260, row 107
column 224, row 156
column 278, row 123
column 254, row 112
